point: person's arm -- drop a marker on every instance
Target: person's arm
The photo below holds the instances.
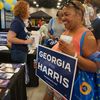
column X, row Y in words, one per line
column 49, row 95
column 42, row 31
column 51, row 36
column 11, row 37
column 15, row 28
column 89, row 47
column 91, row 13
column 49, row 29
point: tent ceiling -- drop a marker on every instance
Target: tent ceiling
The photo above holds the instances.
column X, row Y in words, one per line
column 45, row 3
column 40, row 14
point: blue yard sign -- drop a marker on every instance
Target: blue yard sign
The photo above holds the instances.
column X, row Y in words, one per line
column 56, row 70
column 3, row 38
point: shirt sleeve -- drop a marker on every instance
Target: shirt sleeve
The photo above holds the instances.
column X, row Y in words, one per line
column 16, row 26
column 41, row 29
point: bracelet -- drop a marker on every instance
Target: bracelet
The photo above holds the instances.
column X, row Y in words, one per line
column 75, row 55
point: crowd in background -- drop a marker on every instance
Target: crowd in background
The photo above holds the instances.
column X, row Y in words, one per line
column 51, row 30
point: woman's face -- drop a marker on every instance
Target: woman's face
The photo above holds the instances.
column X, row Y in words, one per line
column 69, row 18
column 60, row 14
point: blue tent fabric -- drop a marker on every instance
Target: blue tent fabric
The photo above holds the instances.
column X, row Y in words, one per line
column 40, row 14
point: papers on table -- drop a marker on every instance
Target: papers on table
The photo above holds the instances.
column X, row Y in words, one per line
column 6, row 73
column 4, row 48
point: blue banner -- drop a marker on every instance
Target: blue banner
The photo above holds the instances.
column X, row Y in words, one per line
column 57, row 70
column 3, row 38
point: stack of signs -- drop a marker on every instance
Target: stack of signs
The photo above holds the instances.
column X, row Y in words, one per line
column 2, row 91
column 6, row 73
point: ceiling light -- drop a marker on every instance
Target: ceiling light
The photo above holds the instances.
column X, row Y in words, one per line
column 58, row 6
column 37, row 5
column 34, row 2
column 58, row 3
column 59, row 0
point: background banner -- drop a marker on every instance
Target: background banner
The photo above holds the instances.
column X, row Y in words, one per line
column 3, row 38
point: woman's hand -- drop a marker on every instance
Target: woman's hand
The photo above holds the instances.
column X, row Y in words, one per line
column 67, row 48
column 52, row 37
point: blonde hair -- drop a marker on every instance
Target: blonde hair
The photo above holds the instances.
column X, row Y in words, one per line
column 20, row 9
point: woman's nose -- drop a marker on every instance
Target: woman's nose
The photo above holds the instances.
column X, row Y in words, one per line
column 63, row 18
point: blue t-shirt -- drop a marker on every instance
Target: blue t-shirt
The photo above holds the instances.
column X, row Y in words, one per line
column 18, row 27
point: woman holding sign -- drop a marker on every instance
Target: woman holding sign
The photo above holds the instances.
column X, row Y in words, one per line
column 77, row 41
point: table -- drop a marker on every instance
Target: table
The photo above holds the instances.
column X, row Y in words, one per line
column 5, row 57
column 16, row 89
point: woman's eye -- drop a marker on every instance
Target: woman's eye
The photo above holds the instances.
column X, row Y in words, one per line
column 67, row 14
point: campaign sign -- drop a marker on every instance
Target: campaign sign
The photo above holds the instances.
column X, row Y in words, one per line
column 57, row 70
column 3, row 38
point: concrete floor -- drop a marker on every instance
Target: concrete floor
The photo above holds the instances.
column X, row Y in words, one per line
column 36, row 93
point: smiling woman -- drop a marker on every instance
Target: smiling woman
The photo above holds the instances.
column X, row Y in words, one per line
column 81, row 44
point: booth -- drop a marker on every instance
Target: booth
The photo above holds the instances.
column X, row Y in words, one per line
column 5, row 57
